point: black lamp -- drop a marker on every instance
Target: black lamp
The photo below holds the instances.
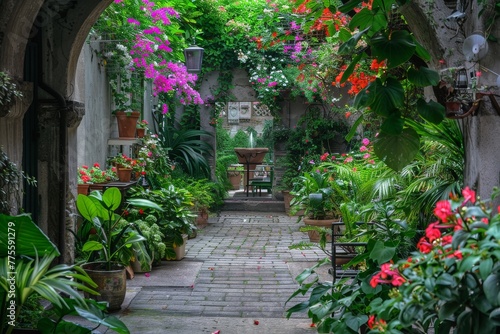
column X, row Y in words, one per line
column 194, row 58
column 461, row 80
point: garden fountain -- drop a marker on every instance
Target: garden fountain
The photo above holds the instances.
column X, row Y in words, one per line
column 250, row 157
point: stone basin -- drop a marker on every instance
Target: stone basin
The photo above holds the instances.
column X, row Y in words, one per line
column 251, row 155
column 250, row 158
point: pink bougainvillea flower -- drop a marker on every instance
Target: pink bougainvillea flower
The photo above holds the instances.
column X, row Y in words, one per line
column 153, row 30
column 131, row 20
column 363, row 149
column 366, row 156
column 443, row 210
column 365, row 141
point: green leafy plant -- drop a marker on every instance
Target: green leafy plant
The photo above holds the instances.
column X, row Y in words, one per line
column 32, row 254
column 175, row 217
column 149, row 228
column 343, row 306
column 317, row 195
column 451, row 281
column 11, row 178
column 105, row 240
column 9, row 91
column 187, row 150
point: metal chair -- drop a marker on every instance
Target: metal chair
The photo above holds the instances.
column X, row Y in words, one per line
column 266, row 182
column 348, row 254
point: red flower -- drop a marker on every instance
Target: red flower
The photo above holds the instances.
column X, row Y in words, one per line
column 96, row 164
column 141, row 211
column 443, row 210
column 446, row 240
column 371, row 321
column 469, row 195
column 432, row 233
column 424, row 246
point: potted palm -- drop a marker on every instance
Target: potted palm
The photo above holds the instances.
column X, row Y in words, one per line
column 109, row 241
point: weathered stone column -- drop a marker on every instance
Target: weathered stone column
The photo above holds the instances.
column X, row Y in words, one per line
column 57, row 172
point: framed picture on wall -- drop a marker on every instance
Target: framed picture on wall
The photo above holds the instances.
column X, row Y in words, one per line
column 233, row 112
column 245, row 110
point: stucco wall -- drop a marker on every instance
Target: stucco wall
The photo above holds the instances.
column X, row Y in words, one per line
column 94, row 130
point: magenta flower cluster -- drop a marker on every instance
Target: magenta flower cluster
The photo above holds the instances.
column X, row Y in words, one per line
column 149, row 55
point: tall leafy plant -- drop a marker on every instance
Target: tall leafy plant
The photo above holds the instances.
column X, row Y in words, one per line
column 187, row 149
column 26, row 268
column 106, row 238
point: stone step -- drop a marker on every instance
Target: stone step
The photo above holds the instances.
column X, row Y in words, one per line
column 253, row 204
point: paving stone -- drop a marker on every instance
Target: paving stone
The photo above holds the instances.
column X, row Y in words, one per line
column 240, row 266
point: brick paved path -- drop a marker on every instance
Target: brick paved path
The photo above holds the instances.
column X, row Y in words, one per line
column 246, row 270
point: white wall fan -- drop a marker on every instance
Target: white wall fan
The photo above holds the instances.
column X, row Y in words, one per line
column 475, row 47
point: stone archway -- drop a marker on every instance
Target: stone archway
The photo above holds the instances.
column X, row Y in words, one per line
column 59, row 29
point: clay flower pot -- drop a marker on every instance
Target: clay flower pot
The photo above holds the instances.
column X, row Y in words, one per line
column 127, row 123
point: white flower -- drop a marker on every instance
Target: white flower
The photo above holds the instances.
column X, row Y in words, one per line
column 121, row 47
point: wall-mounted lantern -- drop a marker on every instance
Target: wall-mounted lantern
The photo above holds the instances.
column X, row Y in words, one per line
column 194, row 58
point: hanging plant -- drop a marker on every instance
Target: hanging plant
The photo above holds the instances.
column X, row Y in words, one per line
column 8, row 93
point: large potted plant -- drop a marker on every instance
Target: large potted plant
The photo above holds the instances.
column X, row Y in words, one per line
column 125, row 89
column 234, row 174
column 320, row 198
column 30, row 272
column 175, row 219
column 108, row 248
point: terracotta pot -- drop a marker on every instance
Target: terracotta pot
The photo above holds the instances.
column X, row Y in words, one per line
column 97, row 186
column 124, row 174
column 287, row 198
column 235, row 179
column 202, row 218
column 327, row 223
column 111, row 284
column 453, row 106
column 83, row 189
column 140, row 132
column 127, row 124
